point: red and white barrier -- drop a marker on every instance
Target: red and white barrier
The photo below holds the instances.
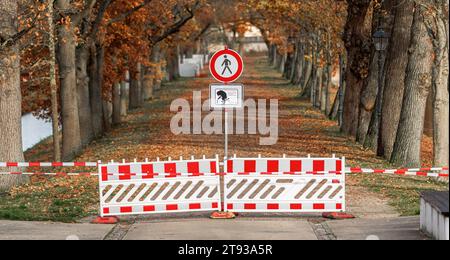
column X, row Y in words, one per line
column 268, row 165
column 285, row 185
column 159, row 187
column 148, row 170
column 250, row 184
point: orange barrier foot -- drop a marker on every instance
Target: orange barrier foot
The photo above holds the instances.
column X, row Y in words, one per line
column 223, row 215
column 338, row 215
column 105, row 220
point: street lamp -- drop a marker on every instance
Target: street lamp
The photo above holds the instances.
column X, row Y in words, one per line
column 381, row 40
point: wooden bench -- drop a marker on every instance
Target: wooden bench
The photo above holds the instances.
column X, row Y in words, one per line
column 434, row 214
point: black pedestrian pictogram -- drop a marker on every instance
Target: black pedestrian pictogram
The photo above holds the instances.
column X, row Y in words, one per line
column 227, row 64
column 222, row 96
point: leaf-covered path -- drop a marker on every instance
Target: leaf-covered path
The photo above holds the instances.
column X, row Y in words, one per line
column 303, row 130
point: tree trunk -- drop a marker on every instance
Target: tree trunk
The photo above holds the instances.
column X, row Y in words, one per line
column 95, row 94
column 295, row 62
column 368, row 99
column 107, row 114
column 335, row 106
column 396, row 62
column 10, row 96
column 328, row 84
column 135, row 88
column 334, row 114
column 300, row 66
column 156, row 60
column 274, row 56
column 147, row 85
column 307, row 75
column 311, row 87
column 270, row 54
column 440, row 87
column 289, row 62
column 116, row 118
column 357, row 39
column 429, row 111
column 53, row 83
column 323, row 91
column 281, row 63
column 67, row 74
column 342, row 87
column 325, row 106
column 124, row 98
column 319, row 88
column 84, row 103
column 328, row 75
column 173, row 72
column 148, row 75
column 418, row 83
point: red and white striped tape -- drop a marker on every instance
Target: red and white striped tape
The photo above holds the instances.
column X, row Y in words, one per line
column 171, row 169
column 48, row 164
column 50, row 173
column 122, row 176
column 423, row 172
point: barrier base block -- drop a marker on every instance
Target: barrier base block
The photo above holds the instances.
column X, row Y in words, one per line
column 338, row 215
column 105, row 220
column 223, row 215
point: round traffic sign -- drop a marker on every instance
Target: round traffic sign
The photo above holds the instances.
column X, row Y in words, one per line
column 226, row 65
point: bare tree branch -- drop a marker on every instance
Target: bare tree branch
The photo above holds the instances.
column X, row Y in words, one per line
column 8, row 42
column 128, row 13
column 175, row 28
column 203, row 32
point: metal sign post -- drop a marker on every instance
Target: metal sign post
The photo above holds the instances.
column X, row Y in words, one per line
column 226, row 140
column 226, row 66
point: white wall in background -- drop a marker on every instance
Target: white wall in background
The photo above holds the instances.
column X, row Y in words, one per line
column 34, row 130
column 255, row 47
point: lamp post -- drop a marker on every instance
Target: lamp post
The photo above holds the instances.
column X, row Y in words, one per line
column 381, row 41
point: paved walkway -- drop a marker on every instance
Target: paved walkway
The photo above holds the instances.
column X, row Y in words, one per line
column 21, row 230
column 241, row 228
column 384, row 229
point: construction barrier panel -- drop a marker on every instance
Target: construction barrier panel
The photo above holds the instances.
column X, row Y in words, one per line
column 284, row 193
column 304, row 185
column 159, row 187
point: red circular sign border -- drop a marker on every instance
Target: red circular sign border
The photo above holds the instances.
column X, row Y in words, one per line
column 213, row 61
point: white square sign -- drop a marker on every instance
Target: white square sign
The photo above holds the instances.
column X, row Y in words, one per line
column 226, row 96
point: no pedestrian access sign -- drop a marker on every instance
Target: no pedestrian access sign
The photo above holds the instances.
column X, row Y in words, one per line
column 226, row 66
